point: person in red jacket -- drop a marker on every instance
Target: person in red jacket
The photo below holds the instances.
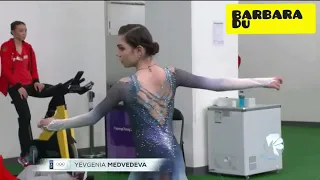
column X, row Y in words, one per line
column 19, row 77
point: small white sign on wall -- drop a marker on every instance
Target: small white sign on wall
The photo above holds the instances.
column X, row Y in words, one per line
column 218, row 33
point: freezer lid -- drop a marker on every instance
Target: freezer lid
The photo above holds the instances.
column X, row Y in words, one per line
column 239, row 109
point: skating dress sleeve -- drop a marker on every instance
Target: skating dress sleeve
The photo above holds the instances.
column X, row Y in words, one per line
column 186, row 79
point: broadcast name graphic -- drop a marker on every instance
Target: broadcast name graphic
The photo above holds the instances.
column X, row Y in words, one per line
column 243, row 20
column 271, row 18
column 123, row 165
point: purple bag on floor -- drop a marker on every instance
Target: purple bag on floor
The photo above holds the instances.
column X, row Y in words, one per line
column 119, row 134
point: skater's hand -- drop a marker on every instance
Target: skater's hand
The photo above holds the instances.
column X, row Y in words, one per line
column 44, row 123
column 276, row 83
column 23, row 93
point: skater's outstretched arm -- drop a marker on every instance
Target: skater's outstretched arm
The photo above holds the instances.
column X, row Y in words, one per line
column 115, row 95
column 186, row 79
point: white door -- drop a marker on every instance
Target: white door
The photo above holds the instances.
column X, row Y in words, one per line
column 120, row 13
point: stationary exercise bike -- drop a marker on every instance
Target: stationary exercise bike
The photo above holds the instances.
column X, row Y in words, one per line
column 60, row 144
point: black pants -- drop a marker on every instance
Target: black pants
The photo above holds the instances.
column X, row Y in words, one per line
column 22, row 107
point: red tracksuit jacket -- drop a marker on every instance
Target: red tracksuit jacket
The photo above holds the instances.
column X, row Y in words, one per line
column 7, row 78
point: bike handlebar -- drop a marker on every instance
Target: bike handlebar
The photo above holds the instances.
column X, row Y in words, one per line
column 72, row 86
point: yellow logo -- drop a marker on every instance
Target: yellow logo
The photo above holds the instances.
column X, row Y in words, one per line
column 271, row 19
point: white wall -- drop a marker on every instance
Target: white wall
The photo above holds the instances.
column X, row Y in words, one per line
column 293, row 57
column 67, row 37
column 184, row 31
column 210, row 61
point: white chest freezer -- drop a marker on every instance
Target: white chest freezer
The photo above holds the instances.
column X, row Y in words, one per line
column 244, row 141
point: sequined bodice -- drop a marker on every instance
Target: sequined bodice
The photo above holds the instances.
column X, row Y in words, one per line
column 151, row 117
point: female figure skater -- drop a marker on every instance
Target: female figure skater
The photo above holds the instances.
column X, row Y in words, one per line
column 148, row 96
column 19, row 77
